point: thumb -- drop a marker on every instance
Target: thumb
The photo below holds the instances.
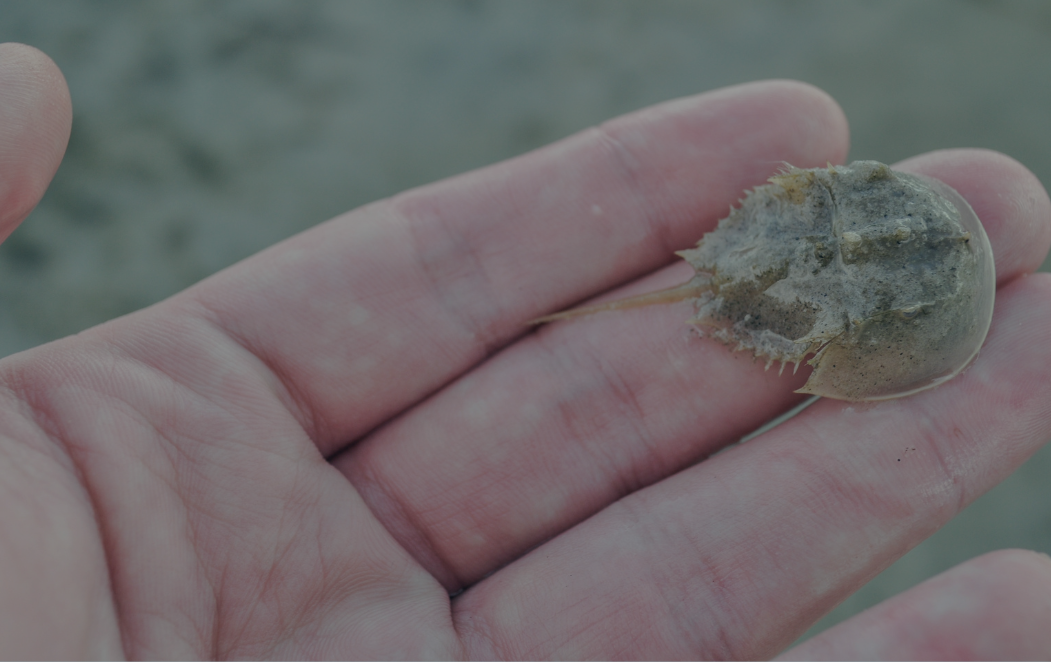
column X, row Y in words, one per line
column 35, row 117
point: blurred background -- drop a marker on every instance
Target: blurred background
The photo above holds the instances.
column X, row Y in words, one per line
column 206, row 131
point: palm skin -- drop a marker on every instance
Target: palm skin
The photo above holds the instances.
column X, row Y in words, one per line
column 306, row 455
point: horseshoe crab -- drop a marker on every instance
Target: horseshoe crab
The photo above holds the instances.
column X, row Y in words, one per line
column 884, row 279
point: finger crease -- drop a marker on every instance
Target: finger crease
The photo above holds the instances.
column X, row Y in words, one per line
column 452, row 267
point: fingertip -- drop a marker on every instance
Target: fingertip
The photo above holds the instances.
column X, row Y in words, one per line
column 799, row 122
column 1016, row 574
column 35, row 121
column 827, row 129
column 993, row 607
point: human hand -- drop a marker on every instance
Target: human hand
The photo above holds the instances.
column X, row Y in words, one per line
column 306, row 454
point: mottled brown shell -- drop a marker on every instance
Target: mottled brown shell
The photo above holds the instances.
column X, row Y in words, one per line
column 885, row 278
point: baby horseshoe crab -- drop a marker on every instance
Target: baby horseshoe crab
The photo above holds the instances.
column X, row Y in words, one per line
column 885, row 279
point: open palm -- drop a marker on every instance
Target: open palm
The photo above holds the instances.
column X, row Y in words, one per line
column 350, row 445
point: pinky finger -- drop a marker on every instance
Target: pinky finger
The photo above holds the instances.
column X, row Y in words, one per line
column 994, row 607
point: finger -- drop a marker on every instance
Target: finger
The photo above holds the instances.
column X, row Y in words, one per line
column 994, row 607
column 561, row 425
column 368, row 314
column 35, row 118
column 737, row 556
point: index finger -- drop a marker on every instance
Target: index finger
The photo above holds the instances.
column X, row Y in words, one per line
column 371, row 312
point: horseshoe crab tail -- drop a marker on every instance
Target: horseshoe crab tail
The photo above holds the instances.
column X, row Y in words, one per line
column 693, row 289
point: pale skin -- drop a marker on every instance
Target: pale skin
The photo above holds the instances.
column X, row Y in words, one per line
column 307, row 454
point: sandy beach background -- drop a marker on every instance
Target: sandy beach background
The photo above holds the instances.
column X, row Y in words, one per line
column 206, row 131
